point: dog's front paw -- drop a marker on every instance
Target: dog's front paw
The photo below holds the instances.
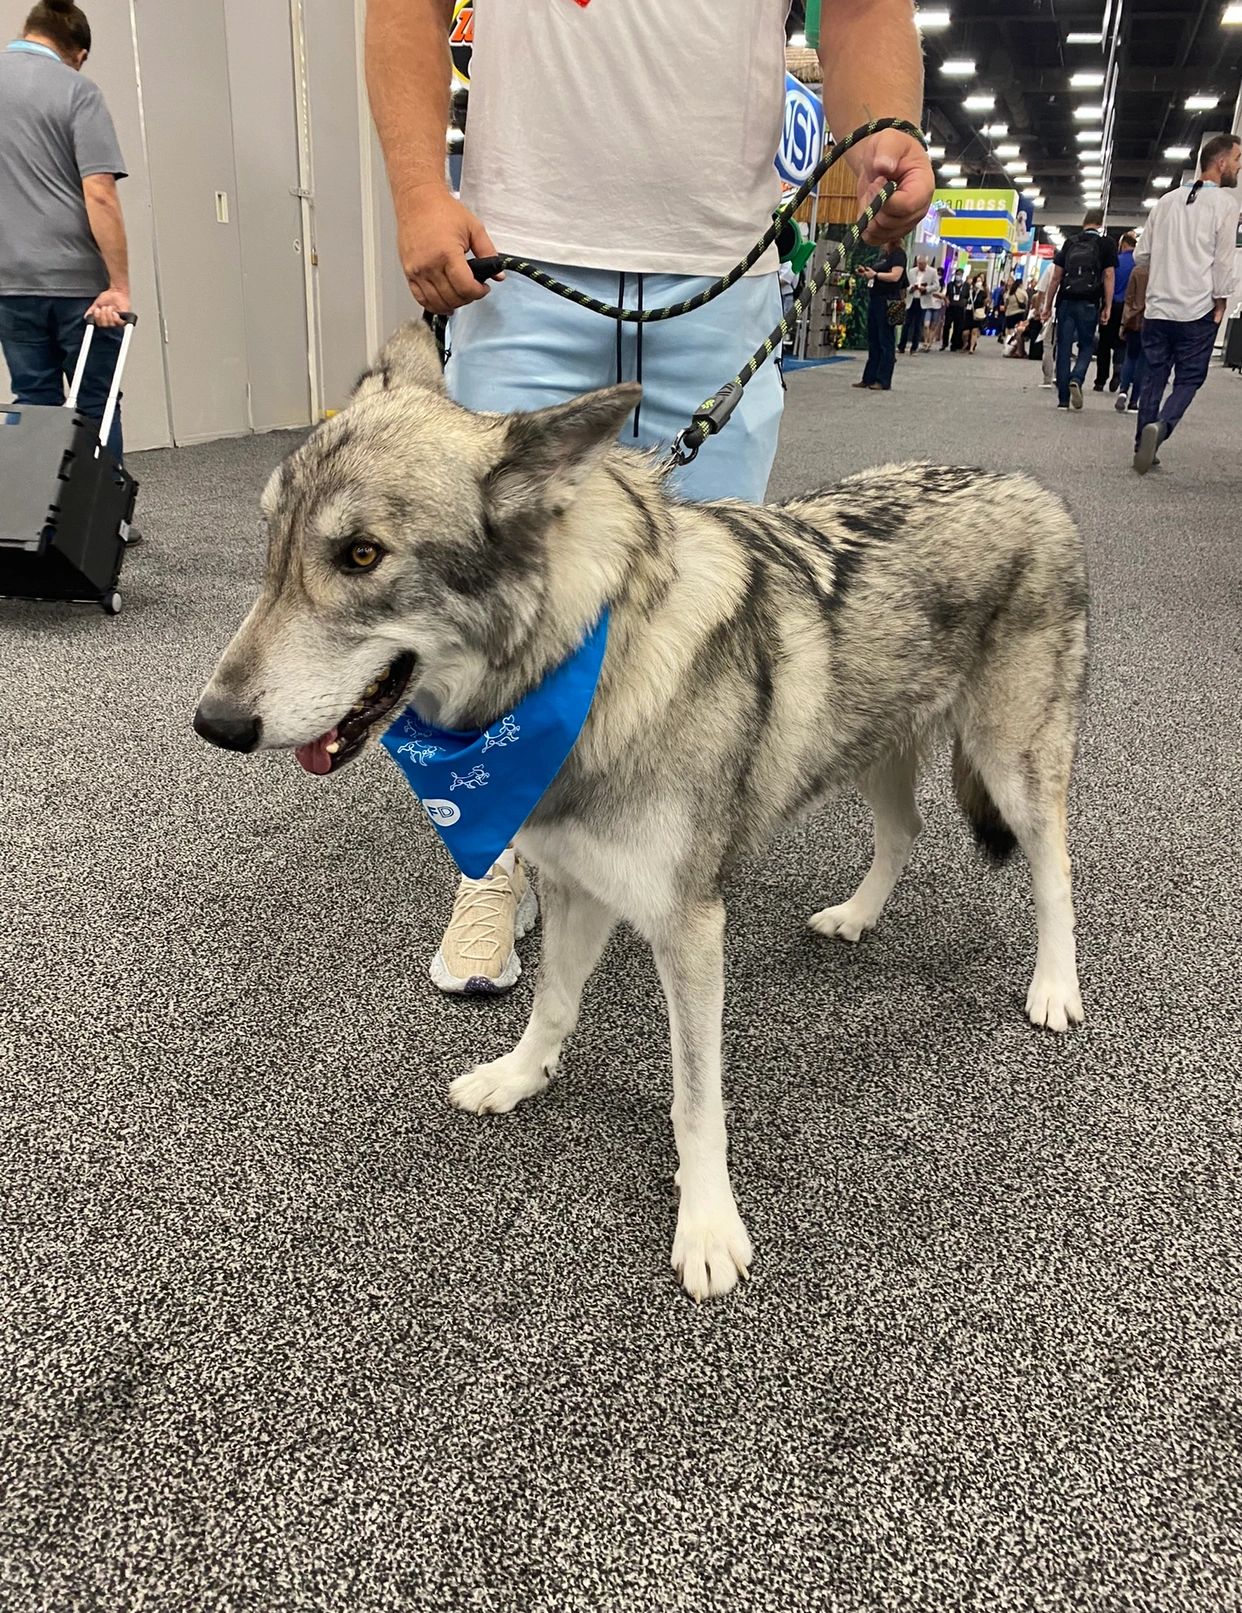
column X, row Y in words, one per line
column 495, row 1088
column 847, row 921
column 711, row 1249
column 1054, row 1002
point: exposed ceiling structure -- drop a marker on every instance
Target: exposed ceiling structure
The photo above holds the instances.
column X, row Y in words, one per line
column 1136, row 62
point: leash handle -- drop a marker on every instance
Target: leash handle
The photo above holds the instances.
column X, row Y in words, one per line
column 485, row 269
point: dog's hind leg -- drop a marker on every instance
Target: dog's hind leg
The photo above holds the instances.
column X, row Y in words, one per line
column 1028, row 785
column 575, row 931
column 710, row 1247
column 888, row 790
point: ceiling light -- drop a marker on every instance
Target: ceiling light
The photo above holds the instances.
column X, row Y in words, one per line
column 1082, row 113
column 932, row 19
column 1083, row 135
column 958, row 184
column 1232, row 16
column 958, row 69
column 1084, row 39
column 1150, row 201
column 1201, row 103
column 1086, row 81
column 979, row 103
column 1008, row 151
column 935, row 152
column 995, row 131
column 1021, row 179
column 1177, row 153
column 797, row 41
column 1161, row 184
column 950, row 167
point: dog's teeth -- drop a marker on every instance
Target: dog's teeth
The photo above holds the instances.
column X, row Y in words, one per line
column 372, row 689
column 333, row 747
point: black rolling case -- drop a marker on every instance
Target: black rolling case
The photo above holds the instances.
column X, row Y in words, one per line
column 65, row 504
column 1233, row 344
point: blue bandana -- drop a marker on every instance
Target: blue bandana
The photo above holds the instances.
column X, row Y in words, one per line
column 479, row 788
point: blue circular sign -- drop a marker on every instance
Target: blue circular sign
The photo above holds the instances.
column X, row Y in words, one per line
column 802, row 141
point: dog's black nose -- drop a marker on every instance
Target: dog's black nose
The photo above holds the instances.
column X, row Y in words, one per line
column 226, row 726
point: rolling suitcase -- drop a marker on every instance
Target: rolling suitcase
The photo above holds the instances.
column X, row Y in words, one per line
column 65, row 503
column 1233, row 344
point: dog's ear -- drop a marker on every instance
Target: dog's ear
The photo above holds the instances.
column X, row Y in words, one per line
column 408, row 358
column 547, row 454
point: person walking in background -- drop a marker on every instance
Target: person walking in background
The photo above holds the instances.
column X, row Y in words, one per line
column 1189, row 247
column 923, row 282
column 1082, row 285
column 955, row 299
column 1015, row 313
column 934, row 323
column 887, row 279
column 63, row 253
column 1133, row 364
column 978, row 311
column 1111, row 343
column 1044, row 298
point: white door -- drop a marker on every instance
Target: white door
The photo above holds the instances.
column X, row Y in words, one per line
column 275, row 260
column 184, row 68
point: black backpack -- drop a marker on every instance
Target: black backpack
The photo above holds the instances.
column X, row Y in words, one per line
column 1082, row 272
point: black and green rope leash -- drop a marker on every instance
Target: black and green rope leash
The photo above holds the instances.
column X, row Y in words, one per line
column 713, row 413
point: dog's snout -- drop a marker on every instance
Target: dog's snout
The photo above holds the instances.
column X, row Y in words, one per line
column 225, row 725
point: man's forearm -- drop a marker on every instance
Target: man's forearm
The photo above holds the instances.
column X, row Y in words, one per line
column 409, row 77
column 107, row 224
column 872, row 63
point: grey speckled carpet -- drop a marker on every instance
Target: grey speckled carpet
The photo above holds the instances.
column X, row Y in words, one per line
column 281, row 1331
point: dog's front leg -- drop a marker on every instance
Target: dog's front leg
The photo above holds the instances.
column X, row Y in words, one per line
column 575, row 931
column 711, row 1247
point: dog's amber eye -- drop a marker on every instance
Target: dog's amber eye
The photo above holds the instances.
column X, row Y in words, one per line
column 362, row 555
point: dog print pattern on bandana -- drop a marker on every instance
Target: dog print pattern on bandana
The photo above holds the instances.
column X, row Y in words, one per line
column 479, row 788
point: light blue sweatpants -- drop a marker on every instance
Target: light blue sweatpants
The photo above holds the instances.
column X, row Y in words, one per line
column 522, row 347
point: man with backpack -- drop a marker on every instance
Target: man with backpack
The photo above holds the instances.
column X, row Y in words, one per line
column 1083, row 274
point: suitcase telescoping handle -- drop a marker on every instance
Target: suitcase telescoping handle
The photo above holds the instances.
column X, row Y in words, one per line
column 129, row 320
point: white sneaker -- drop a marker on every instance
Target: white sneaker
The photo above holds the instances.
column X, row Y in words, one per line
column 1046, row 386
column 1122, row 403
column 477, row 953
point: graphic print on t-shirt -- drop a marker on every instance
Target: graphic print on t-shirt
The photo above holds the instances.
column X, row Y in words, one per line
column 461, row 40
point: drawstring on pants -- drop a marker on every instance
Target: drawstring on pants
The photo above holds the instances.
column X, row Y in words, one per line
column 638, row 350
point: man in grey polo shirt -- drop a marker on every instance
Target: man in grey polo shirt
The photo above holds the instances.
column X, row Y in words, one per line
column 63, row 253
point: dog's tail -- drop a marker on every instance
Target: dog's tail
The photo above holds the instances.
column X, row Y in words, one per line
column 992, row 834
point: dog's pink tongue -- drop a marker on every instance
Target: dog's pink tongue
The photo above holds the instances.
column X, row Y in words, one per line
column 314, row 757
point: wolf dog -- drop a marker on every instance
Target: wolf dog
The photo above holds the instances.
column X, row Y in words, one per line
column 758, row 660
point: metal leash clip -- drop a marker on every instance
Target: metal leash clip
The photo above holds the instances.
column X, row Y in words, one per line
column 706, row 421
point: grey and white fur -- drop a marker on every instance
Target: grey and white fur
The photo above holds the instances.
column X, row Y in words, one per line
column 758, row 660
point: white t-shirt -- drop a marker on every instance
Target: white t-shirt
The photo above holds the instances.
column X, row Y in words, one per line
column 1190, row 249
column 626, row 134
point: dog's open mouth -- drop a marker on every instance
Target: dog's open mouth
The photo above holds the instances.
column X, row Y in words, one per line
column 342, row 743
